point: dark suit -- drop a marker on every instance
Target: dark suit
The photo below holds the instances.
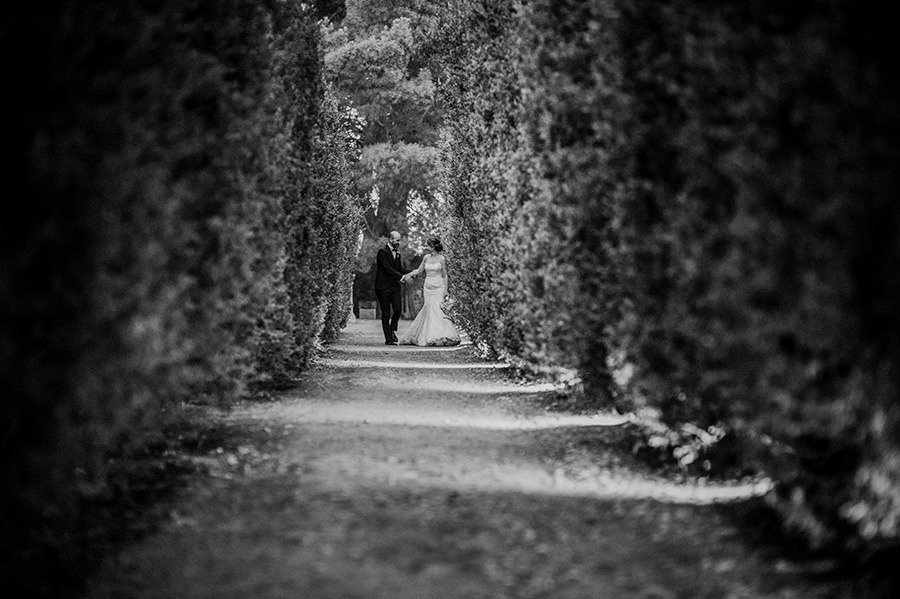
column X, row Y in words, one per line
column 388, row 271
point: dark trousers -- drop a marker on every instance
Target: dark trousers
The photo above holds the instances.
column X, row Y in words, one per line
column 391, row 303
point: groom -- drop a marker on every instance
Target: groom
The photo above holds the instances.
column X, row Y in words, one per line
column 388, row 272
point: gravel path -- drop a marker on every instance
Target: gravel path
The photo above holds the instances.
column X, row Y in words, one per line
column 399, row 472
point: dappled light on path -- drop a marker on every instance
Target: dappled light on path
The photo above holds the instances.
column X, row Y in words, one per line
column 410, row 365
column 487, row 459
column 454, row 421
column 399, row 349
column 535, row 479
column 475, row 388
column 392, row 475
column 362, row 412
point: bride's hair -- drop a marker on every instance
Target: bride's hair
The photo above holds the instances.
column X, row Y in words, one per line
column 435, row 243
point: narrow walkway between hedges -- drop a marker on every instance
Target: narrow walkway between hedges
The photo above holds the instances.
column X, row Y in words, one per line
column 402, row 472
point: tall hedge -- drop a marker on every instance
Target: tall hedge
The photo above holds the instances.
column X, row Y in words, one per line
column 693, row 206
column 509, row 242
column 311, row 154
column 155, row 261
column 762, row 243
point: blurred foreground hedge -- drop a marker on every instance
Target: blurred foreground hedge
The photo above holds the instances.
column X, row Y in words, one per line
column 174, row 241
column 693, row 206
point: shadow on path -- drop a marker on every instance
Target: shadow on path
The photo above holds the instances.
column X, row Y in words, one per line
column 397, row 472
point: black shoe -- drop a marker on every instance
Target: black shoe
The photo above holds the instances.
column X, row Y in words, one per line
column 394, row 338
column 391, row 343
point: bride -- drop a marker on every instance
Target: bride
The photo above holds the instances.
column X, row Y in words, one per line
column 431, row 326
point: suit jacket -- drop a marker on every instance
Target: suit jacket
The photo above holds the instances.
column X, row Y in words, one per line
column 388, row 270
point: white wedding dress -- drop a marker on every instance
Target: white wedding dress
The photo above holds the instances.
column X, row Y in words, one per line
column 431, row 326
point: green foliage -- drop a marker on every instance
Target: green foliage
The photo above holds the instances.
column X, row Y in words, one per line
column 180, row 171
column 372, row 60
column 337, row 226
column 753, row 269
column 333, row 10
column 425, row 218
column 511, row 233
column 374, row 73
column 692, row 205
column 364, row 17
column 321, row 222
column 396, row 170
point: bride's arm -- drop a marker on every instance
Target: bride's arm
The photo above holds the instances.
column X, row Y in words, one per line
column 446, row 276
column 413, row 273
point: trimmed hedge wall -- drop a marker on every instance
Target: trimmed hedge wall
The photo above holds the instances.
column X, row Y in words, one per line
column 510, row 242
column 175, row 169
column 693, row 206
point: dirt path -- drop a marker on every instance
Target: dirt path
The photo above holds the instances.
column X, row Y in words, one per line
column 427, row 473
